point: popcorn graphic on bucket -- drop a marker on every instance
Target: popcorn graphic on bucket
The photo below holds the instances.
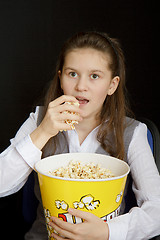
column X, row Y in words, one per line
column 102, row 197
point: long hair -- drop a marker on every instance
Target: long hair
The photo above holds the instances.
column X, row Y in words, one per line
column 115, row 107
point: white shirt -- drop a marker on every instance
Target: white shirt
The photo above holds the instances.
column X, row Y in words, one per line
column 142, row 222
column 90, row 144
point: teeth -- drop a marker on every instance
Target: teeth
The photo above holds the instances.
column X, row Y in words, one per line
column 82, row 99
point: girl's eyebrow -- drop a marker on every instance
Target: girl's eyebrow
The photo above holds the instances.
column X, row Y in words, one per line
column 69, row 68
column 93, row 70
column 96, row 70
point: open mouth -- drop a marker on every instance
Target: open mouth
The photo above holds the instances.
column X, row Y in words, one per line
column 82, row 100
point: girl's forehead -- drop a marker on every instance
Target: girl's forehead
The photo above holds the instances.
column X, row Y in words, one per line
column 87, row 56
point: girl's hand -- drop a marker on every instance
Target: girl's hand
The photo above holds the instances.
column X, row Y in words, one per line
column 54, row 119
column 92, row 227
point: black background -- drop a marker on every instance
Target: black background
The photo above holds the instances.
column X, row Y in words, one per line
column 31, row 35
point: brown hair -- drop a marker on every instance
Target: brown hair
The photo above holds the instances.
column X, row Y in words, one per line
column 114, row 109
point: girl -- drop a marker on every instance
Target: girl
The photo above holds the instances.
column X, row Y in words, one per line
column 90, row 71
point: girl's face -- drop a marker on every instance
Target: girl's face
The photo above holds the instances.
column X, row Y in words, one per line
column 86, row 76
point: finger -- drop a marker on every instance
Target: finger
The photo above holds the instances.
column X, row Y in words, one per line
column 65, row 229
column 72, row 109
column 64, row 127
column 62, row 99
column 69, row 107
column 57, row 237
column 61, row 233
column 62, row 224
column 81, row 214
column 70, row 116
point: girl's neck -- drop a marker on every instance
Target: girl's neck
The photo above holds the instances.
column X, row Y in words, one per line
column 85, row 127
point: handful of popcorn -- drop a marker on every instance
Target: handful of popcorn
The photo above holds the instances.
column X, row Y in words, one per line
column 71, row 122
column 79, row 170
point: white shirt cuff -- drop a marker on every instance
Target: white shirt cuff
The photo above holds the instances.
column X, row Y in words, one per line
column 118, row 227
column 30, row 153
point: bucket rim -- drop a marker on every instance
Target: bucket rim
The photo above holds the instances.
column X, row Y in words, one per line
column 81, row 180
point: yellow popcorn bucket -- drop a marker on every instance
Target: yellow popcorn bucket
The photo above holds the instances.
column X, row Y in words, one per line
column 101, row 197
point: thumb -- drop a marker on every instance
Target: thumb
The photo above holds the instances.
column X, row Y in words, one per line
column 81, row 214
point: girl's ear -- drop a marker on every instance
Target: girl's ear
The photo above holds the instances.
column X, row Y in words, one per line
column 59, row 74
column 113, row 85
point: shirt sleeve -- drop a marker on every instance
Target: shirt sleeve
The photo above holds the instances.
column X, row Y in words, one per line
column 18, row 160
column 141, row 222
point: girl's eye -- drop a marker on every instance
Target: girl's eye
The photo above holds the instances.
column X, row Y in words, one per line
column 94, row 76
column 73, row 74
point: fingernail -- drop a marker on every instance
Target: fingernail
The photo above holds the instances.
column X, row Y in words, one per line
column 70, row 210
column 52, row 218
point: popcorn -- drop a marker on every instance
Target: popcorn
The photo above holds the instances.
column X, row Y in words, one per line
column 78, row 170
column 71, row 122
column 73, row 103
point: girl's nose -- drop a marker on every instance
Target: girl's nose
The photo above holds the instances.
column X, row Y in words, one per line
column 82, row 84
